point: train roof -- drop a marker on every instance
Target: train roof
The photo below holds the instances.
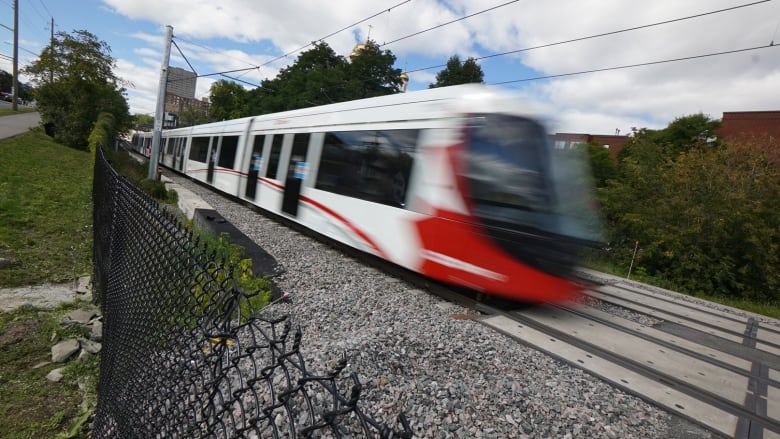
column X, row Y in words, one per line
column 424, row 104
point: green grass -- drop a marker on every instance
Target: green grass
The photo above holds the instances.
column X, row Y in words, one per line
column 45, row 211
column 46, row 234
column 8, row 111
column 769, row 309
column 30, row 405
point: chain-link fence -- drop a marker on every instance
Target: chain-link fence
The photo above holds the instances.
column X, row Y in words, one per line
column 184, row 352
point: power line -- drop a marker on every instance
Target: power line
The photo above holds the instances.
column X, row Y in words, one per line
column 629, row 66
column 211, row 49
column 47, row 9
column 185, row 58
column 453, row 21
column 339, row 31
column 573, row 40
column 302, row 47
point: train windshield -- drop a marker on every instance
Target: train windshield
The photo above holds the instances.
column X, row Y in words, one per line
column 516, row 181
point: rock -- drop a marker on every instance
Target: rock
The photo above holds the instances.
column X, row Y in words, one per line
column 79, row 316
column 55, row 375
column 84, row 285
column 92, row 347
column 41, row 364
column 97, row 331
column 63, row 350
column 5, row 263
column 84, row 355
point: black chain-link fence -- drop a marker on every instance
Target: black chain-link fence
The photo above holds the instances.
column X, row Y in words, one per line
column 184, row 352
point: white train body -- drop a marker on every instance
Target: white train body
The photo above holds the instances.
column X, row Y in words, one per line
column 435, row 181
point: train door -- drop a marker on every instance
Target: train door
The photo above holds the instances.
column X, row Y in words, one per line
column 255, row 167
column 182, row 149
column 176, row 152
column 296, row 172
column 212, row 160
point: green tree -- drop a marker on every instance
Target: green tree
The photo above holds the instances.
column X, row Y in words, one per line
column 76, row 83
column 704, row 212
column 458, row 72
column 191, row 115
column 370, row 73
column 317, row 77
column 228, row 101
column 6, row 81
column 601, row 164
column 142, row 122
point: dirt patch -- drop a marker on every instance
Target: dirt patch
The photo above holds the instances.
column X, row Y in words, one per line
column 17, row 331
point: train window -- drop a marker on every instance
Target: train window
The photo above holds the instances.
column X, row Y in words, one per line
column 299, row 148
column 370, row 165
column 276, row 151
column 227, row 152
column 199, row 149
column 506, row 167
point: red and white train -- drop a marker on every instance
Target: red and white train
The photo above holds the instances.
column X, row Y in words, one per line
column 460, row 183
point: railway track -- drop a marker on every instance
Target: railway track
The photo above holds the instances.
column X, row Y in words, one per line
column 712, row 367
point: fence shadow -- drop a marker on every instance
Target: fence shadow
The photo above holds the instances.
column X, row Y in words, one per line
column 184, row 352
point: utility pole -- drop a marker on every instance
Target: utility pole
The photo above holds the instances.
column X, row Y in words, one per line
column 51, row 73
column 158, row 115
column 15, row 83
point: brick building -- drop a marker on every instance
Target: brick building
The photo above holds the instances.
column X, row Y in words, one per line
column 180, row 95
column 737, row 124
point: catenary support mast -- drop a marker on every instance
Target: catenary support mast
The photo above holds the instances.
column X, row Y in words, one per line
column 158, row 115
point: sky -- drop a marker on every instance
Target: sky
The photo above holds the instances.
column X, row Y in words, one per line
column 536, row 48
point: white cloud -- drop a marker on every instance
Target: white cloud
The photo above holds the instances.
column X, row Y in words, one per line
column 222, row 36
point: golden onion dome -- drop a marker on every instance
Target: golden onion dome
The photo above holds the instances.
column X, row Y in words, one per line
column 357, row 50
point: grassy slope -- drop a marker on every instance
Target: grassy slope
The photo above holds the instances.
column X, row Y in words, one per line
column 46, row 231
column 45, row 211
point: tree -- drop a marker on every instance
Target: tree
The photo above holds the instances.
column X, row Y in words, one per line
column 76, row 83
column 370, row 73
column 601, row 164
column 6, row 81
column 317, row 77
column 142, row 122
column 704, row 212
column 459, row 73
column 228, row 101
column 191, row 115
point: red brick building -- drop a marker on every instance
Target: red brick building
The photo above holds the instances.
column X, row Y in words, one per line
column 737, row 124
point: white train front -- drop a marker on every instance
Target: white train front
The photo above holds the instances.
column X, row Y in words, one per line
column 459, row 183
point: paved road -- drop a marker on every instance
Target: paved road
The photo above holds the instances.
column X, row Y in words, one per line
column 16, row 124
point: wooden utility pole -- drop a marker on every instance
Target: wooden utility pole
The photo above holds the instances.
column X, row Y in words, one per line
column 15, row 80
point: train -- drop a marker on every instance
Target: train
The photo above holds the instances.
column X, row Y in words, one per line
column 460, row 184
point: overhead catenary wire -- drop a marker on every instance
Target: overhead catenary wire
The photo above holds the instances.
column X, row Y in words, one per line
column 302, row 47
column 451, row 22
column 599, row 35
column 183, row 56
column 569, row 41
column 629, row 66
column 337, row 32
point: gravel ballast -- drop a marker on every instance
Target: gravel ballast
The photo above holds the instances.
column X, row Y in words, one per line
column 417, row 354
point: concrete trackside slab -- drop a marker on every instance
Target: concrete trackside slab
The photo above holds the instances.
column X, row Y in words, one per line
column 632, row 382
column 263, row 263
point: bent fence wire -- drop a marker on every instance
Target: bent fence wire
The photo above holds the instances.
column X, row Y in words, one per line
column 184, row 355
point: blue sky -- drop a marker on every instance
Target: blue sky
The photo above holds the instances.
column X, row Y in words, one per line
column 239, row 34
